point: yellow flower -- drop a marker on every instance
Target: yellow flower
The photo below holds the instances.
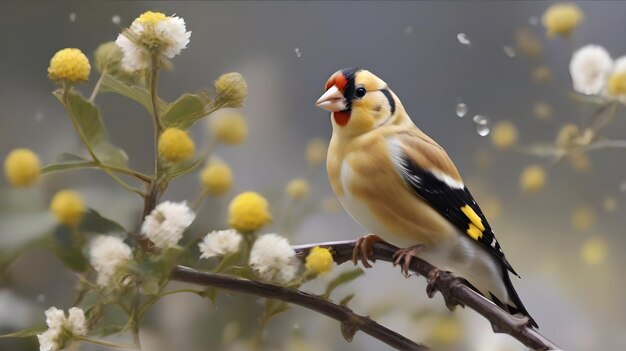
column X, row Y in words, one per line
column 298, row 188
column 176, row 145
column 230, row 90
column 316, row 151
column 561, row 19
column 150, row 18
column 446, row 331
column 248, row 212
column 229, row 127
column 594, row 251
column 542, row 110
column 533, row 178
column 617, row 84
column 22, row 167
column 217, row 178
column 504, row 135
column 68, row 207
column 70, row 65
column 319, row 260
column 582, row 218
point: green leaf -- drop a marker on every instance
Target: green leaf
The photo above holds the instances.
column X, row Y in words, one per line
column 210, row 293
column 345, row 300
column 66, row 161
column 183, row 112
column 67, row 250
column 88, row 123
column 30, row 331
column 228, row 261
column 137, row 94
column 93, row 222
column 342, row 279
column 177, row 169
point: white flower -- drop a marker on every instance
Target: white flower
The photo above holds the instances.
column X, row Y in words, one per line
column 620, row 65
column 54, row 317
column 165, row 225
column 220, row 243
column 589, row 68
column 49, row 340
column 152, row 32
column 107, row 254
column 273, row 258
column 74, row 324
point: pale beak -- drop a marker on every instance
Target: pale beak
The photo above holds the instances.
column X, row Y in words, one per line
column 332, row 100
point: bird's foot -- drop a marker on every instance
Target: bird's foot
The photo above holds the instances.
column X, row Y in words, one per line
column 431, row 289
column 363, row 249
column 405, row 255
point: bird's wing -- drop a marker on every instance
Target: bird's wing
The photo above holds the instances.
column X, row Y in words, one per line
column 429, row 172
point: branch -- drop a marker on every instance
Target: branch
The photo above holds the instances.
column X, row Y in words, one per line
column 350, row 321
column 454, row 291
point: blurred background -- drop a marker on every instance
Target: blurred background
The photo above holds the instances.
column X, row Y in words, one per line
column 566, row 239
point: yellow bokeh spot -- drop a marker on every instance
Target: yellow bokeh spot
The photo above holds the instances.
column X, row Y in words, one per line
column 67, row 207
column 175, row 145
column 22, row 167
column 580, row 162
column 248, row 212
column 594, row 251
column 330, row 204
column 446, row 331
column 616, row 84
column 217, row 178
column 542, row 110
column 583, row 218
column 298, row 188
column 70, row 65
column 150, row 18
column 609, row 204
column 229, row 127
column 567, row 136
column 492, row 207
column 316, row 151
column 483, row 158
column 528, row 43
column 533, row 178
column 542, row 74
column 473, row 217
column 319, row 260
column 504, row 135
column 562, row 18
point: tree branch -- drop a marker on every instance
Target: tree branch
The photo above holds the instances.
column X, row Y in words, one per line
column 454, row 291
column 350, row 321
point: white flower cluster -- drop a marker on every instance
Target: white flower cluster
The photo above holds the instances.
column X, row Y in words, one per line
column 273, row 258
column 165, row 225
column 107, row 254
column 590, row 68
column 220, row 243
column 58, row 325
column 151, row 33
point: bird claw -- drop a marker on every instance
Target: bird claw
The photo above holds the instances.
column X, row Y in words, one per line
column 363, row 249
column 405, row 256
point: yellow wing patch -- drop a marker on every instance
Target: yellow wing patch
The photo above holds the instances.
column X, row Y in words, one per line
column 476, row 226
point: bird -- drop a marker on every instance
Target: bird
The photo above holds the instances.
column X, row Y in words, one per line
column 401, row 185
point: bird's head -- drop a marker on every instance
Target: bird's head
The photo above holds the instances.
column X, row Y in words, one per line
column 359, row 101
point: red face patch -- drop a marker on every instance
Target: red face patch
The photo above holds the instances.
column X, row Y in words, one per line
column 337, row 79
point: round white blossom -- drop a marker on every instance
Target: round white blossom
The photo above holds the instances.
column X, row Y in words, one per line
column 60, row 326
column 169, row 35
column 273, row 258
column 54, row 317
column 165, row 225
column 76, row 322
column 107, row 254
column 590, row 67
column 49, row 340
column 220, row 243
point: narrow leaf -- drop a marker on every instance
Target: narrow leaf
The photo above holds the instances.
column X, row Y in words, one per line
column 93, row 222
column 66, row 161
column 67, row 251
column 109, row 330
column 342, row 279
column 137, row 94
column 183, row 112
column 30, row 331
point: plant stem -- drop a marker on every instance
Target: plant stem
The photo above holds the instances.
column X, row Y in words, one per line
column 96, row 88
column 107, row 344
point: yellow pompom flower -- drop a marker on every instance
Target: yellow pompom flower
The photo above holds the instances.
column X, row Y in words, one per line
column 616, row 84
column 70, row 65
column 562, row 19
column 176, row 145
column 298, row 188
column 583, row 218
column 22, row 167
column 594, row 251
column 248, row 212
column 150, row 18
column 504, row 135
column 217, row 178
column 533, row 178
column 229, row 127
column 316, row 151
column 68, row 207
column 319, row 260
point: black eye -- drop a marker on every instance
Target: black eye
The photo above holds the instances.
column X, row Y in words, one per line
column 360, row 92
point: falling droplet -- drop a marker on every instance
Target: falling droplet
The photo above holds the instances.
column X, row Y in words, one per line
column 408, row 30
column 533, row 20
column 461, row 109
column 481, row 120
column 463, row 39
column 72, row 17
column 116, row 19
column 482, row 130
column 297, row 51
column 509, row 51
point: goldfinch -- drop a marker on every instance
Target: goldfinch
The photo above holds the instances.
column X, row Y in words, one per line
column 400, row 184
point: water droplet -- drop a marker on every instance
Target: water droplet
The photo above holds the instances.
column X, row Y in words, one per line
column 463, row 39
column 408, row 30
column 39, row 116
column 533, row 20
column 481, row 120
column 461, row 109
column 509, row 51
column 482, row 130
column 297, row 51
column 116, row 20
column 41, row 298
column 72, row 16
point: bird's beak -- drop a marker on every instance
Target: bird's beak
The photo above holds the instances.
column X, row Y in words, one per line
column 332, row 100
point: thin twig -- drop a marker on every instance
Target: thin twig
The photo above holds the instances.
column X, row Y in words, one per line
column 350, row 321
